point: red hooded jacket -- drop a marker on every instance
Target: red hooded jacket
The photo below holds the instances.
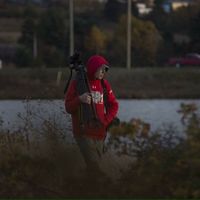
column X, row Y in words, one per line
column 72, row 102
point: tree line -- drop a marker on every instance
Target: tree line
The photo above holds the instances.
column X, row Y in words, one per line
column 101, row 28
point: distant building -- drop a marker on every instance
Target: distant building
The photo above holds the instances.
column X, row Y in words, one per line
column 143, row 9
column 172, row 5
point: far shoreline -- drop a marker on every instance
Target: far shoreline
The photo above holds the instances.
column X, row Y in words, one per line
column 137, row 83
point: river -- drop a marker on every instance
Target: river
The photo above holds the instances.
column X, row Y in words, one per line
column 158, row 113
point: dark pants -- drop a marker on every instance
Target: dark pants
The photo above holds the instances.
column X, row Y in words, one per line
column 92, row 151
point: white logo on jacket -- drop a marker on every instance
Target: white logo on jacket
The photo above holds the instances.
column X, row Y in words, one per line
column 97, row 97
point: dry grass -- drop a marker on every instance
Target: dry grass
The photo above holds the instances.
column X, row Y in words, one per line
column 41, row 163
column 156, row 82
column 139, row 83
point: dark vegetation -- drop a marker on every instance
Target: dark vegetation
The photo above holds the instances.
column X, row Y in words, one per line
column 42, row 163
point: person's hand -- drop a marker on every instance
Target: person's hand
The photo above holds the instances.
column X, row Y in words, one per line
column 85, row 98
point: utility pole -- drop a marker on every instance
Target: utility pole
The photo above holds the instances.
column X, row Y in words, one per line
column 35, row 53
column 128, row 64
column 71, row 27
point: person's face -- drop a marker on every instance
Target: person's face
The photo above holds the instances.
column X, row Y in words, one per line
column 100, row 73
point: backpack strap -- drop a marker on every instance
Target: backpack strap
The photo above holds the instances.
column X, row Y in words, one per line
column 116, row 120
column 105, row 94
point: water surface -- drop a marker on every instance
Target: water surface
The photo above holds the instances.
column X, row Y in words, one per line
column 158, row 113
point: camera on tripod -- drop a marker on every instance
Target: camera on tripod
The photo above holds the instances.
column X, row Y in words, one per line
column 88, row 114
column 75, row 62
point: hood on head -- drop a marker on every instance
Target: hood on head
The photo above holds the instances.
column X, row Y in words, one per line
column 94, row 63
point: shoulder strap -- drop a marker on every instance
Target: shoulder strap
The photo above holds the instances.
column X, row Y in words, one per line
column 105, row 94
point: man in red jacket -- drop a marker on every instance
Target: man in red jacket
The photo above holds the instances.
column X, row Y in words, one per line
column 90, row 139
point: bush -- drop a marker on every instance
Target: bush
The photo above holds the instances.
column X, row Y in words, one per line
column 166, row 165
